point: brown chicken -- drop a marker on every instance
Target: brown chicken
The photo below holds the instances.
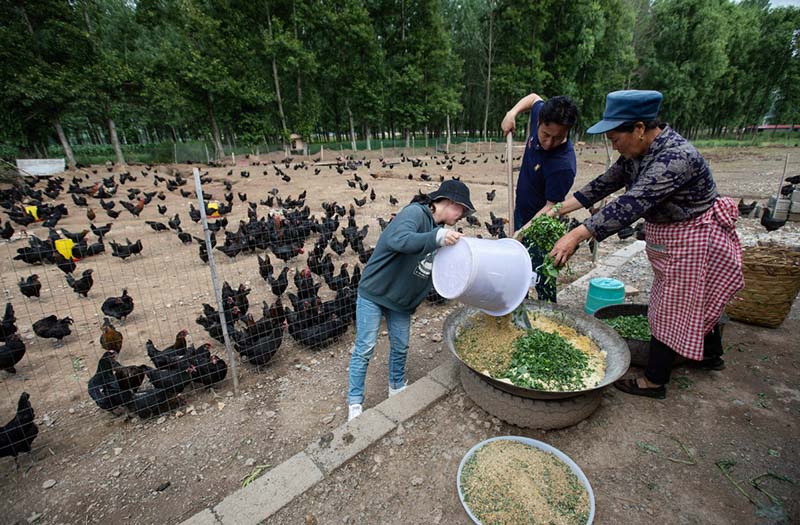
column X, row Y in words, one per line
column 90, row 214
column 110, row 339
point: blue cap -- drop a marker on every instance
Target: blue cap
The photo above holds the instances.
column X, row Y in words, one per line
column 631, row 105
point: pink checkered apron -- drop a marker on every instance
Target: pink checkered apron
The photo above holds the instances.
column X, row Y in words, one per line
column 697, row 268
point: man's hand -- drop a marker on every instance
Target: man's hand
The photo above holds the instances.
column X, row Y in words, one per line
column 509, row 123
column 452, row 237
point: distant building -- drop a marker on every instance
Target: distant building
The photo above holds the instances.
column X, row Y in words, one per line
column 297, row 145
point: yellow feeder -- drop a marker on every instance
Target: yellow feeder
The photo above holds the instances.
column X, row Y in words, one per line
column 33, row 211
column 214, row 205
column 64, row 247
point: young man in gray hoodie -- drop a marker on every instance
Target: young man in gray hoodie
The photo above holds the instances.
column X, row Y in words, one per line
column 397, row 278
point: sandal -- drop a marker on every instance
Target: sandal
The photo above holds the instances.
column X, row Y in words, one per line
column 630, row 386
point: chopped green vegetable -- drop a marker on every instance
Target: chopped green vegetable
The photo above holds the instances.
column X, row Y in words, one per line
column 631, row 326
column 547, row 361
column 542, row 233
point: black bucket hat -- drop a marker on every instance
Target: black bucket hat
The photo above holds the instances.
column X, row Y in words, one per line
column 456, row 191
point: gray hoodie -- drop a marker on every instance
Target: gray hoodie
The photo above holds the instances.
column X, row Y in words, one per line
column 398, row 275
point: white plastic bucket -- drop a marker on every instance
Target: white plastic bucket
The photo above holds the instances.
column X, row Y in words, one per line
column 492, row 275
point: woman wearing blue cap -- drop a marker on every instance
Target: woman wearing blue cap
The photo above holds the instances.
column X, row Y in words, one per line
column 397, row 279
column 690, row 230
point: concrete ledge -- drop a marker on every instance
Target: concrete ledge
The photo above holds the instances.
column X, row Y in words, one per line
column 205, row 517
column 412, row 401
column 341, row 445
column 269, row 493
column 446, row 374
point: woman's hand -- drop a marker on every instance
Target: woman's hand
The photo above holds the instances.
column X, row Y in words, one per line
column 566, row 245
column 452, row 237
column 509, row 123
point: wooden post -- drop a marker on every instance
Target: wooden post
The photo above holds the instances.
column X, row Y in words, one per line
column 510, row 173
column 175, row 151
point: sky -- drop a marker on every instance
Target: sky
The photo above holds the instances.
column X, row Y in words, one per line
column 784, row 3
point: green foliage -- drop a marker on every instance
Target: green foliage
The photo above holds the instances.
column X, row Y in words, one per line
column 547, row 361
column 631, row 326
column 543, row 233
column 203, row 69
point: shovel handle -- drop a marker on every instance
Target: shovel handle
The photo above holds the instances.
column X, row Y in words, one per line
column 510, row 174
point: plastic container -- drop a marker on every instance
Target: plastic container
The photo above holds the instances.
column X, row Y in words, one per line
column 603, row 291
column 33, row 211
column 492, row 275
column 213, row 206
column 781, row 210
column 541, row 446
column 64, row 247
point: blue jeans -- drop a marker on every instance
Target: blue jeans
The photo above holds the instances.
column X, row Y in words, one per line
column 368, row 323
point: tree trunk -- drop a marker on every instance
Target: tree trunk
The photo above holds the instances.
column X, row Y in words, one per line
column 426, row 135
column 447, row 147
column 299, row 76
column 367, row 133
column 219, row 150
column 64, row 143
column 112, row 133
column 352, row 128
column 277, row 84
column 407, row 134
column 489, row 60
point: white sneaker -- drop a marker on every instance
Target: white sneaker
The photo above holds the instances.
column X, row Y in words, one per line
column 353, row 411
column 395, row 391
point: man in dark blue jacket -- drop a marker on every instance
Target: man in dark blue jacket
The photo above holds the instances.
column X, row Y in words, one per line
column 548, row 165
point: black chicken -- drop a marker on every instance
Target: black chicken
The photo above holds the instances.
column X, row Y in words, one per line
column 104, row 388
column 279, row 284
column 156, row 226
column 7, row 231
column 8, row 324
column 490, row 195
column 11, row 353
column 265, row 267
column 83, row 285
column 340, row 281
column 30, row 287
column 286, row 252
column 210, row 369
column 174, row 356
column 392, row 200
column 51, row 327
column 261, row 350
column 118, row 307
column 172, row 380
column 361, row 202
column 152, row 402
column 18, row 434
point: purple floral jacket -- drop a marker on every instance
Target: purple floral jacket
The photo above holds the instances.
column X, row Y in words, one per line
column 671, row 183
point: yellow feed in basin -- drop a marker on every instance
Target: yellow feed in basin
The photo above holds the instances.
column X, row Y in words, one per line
column 64, row 247
column 214, row 205
column 33, row 211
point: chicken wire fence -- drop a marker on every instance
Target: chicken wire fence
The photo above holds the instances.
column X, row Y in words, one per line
column 142, row 289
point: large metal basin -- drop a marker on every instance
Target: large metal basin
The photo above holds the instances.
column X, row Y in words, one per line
column 618, row 356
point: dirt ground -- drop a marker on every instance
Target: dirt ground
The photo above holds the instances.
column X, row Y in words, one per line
column 112, row 469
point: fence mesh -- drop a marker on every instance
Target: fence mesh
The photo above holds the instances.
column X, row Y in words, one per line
column 111, row 302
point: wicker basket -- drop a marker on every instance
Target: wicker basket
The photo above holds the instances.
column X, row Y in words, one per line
column 772, row 281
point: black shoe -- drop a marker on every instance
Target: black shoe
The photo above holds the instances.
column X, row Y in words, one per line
column 714, row 363
column 630, row 386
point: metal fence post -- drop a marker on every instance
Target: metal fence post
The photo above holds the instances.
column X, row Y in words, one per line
column 217, row 292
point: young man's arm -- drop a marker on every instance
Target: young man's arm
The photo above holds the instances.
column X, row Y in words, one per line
column 525, row 104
